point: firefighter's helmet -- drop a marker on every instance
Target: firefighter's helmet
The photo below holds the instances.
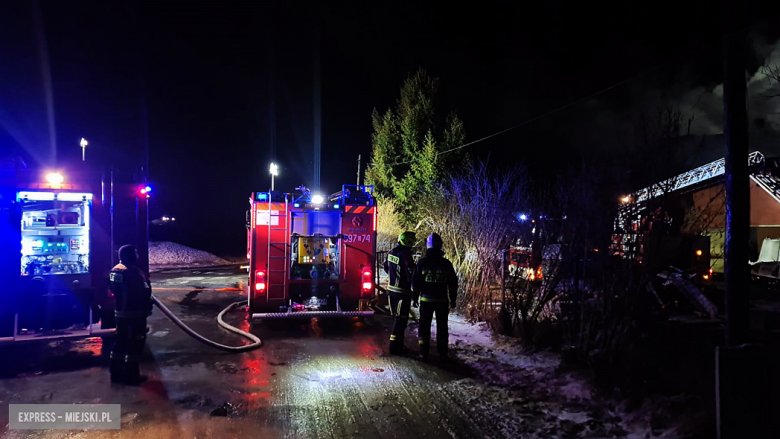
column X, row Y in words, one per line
column 128, row 254
column 434, row 242
column 407, row 239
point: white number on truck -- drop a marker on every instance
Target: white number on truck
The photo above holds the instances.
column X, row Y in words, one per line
column 357, row 238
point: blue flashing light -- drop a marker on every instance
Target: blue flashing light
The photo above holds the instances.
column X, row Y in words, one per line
column 523, row 217
column 262, row 196
column 297, row 205
column 335, row 206
column 148, row 188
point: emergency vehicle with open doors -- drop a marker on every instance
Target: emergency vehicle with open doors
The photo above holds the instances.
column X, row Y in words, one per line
column 60, row 233
column 312, row 255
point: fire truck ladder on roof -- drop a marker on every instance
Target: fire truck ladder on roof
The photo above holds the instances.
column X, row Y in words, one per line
column 278, row 252
column 692, row 177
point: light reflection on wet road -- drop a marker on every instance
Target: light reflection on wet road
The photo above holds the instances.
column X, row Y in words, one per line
column 318, row 379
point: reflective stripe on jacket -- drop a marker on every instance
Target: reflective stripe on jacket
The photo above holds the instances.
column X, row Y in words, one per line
column 400, row 267
column 435, row 279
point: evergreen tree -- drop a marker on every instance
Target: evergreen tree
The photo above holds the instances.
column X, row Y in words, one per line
column 406, row 162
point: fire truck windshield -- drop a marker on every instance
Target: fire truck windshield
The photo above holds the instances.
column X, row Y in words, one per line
column 55, row 233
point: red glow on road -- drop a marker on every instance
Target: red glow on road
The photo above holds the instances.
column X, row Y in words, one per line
column 257, row 375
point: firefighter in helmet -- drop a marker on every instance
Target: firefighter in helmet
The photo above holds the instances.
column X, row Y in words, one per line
column 400, row 266
column 435, row 285
column 133, row 294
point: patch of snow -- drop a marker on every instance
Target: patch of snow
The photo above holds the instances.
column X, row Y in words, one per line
column 531, row 397
column 170, row 254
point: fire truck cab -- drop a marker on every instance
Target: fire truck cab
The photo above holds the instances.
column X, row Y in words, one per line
column 311, row 255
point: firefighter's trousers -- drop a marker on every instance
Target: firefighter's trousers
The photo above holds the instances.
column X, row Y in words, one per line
column 128, row 349
column 427, row 310
column 400, row 305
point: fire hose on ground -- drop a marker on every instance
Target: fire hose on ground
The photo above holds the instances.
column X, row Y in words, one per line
column 256, row 342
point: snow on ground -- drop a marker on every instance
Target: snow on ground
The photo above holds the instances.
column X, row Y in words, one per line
column 170, row 254
column 532, row 397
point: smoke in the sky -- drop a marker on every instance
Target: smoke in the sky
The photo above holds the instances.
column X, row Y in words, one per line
column 706, row 103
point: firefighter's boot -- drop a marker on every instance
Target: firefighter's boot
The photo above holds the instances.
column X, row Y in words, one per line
column 399, row 350
column 132, row 375
column 117, row 368
column 397, row 345
column 424, row 349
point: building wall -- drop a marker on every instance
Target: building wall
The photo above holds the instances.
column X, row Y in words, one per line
column 764, row 210
column 709, row 212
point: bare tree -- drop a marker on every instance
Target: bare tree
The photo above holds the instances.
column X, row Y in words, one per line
column 475, row 213
column 772, row 72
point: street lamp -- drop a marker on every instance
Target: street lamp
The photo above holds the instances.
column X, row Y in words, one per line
column 274, row 170
column 83, row 145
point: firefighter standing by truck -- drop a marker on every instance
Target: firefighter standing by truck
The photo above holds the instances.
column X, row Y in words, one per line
column 435, row 284
column 133, row 305
column 400, row 267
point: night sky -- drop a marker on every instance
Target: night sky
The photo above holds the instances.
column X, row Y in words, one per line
column 216, row 90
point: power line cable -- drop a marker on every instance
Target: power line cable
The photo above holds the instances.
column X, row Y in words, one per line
column 551, row 112
column 590, row 96
column 575, row 102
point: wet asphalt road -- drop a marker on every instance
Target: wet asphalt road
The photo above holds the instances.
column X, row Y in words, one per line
column 311, row 379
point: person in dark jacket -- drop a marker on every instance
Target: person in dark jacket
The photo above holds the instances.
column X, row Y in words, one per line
column 133, row 294
column 400, row 267
column 435, row 285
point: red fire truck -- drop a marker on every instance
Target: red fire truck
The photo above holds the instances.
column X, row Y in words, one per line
column 60, row 233
column 312, row 255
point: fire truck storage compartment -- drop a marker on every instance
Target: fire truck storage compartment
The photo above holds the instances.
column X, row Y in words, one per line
column 315, row 258
column 55, row 259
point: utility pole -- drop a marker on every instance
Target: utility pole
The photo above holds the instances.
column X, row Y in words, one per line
column 358, row 173
column 740, row 369
column 737, row 177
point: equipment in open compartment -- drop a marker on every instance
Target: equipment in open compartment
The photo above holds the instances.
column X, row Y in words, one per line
column 55, row 232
